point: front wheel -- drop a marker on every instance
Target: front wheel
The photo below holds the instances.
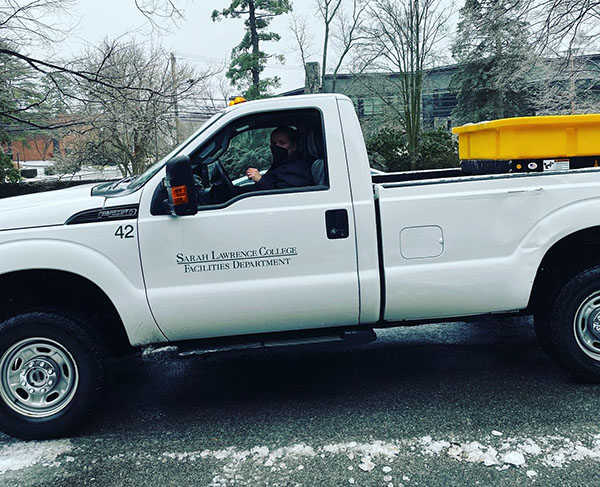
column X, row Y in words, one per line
column 52, row 372
column 571, row 328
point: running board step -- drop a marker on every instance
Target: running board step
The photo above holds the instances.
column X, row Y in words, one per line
column 337, row 339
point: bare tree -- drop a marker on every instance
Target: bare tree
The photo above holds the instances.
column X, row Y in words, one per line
column 161, row 10
column 559, row 23
column 402, row 38
column 33, row 23
column 349, row 33
column 298, row 26
column 565, row 32
column 26, row 97
column 126, row 115
column 328, row 10
column 24, row 22
column 568, row 87
column 342, row 29
column 303, row 40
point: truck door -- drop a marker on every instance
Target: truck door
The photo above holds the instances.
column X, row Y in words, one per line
column 261, row 261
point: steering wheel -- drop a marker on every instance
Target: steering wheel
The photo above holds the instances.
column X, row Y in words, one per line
column 223, row 185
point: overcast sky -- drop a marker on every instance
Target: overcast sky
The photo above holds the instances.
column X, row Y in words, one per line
column 196, row 39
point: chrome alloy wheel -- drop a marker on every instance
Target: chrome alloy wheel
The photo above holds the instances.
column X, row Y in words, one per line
column 587, row 326
column 38, row 377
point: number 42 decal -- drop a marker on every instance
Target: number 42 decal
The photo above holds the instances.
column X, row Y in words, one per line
column 124, row 231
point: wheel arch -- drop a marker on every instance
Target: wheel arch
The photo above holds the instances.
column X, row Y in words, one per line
column 47, row 288
column 568, row 255
column 41, row 250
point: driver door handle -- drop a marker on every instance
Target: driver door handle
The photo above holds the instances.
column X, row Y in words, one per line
column 336, row 223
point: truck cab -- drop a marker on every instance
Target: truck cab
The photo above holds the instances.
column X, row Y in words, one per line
column 246, row 258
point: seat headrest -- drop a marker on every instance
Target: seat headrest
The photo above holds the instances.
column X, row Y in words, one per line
column 314, row 144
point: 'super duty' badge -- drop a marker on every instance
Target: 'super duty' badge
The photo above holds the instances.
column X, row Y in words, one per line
column 118, row 213
column 96, row 215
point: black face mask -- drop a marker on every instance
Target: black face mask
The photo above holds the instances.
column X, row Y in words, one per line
column 280, row 155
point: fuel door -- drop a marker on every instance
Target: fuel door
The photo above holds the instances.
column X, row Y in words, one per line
column 424, row 242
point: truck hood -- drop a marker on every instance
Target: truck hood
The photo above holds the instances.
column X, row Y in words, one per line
column 47, row 208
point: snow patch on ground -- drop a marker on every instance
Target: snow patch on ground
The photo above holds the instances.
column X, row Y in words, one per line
column 366, row 464
column 572, row 451
column 430, row 447
column 474, row 452
column 492, row 451
column 551, row 451
column 515, row 458
column 373, row 449
column 530, row 447
column 18, row 456
column 377, row 457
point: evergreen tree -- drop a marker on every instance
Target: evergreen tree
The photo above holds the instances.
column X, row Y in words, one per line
column 247, row 60
column 25, row 102
column 8, row 172
column 388, row 149
column 495, row 61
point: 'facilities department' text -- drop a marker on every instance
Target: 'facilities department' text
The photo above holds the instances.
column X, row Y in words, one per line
column 236, row 264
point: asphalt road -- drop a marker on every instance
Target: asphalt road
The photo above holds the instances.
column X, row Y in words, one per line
column 436, row 405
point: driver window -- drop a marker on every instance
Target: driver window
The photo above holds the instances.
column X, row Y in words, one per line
column 262, row 154
column 248, row 149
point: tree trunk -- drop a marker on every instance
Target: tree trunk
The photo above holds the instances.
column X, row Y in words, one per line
column 254, row 41
column 325, row 42
column 413, row 129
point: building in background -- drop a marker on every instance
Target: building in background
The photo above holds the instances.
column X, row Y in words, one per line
column 375, row 95
column 572, row 87
column 35, row 148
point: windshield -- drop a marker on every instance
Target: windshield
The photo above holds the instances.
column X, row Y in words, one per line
column 152, row 170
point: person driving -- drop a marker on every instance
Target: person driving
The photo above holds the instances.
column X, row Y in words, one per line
column 289, row 168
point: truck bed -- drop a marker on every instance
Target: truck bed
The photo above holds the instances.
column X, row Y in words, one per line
column 467, row 245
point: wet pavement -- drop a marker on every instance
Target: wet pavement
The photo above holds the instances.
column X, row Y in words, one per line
column 442, row 405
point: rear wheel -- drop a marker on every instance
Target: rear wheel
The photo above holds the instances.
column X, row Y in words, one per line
column 570, row 330
column 52, row 370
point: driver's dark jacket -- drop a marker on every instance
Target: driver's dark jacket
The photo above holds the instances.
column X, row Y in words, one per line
column 290, row 173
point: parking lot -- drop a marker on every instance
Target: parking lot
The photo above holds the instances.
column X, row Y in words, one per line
column 441, row 405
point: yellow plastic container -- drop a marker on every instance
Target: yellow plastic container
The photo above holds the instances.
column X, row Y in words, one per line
column 531, row 138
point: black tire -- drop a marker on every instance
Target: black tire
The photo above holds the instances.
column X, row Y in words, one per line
column 52, row 373
column 554, row 281
column 570, row 330
column 542, row 333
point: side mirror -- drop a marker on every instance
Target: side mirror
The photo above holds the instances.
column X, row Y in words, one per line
column 179, row 183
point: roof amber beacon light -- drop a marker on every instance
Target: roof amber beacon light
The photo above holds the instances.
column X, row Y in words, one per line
column 236, row 100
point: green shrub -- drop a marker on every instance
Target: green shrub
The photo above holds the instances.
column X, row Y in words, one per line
column 249, row 149
column 50, row 170
column 8, row 172
column 438, row 150
column 388, row 149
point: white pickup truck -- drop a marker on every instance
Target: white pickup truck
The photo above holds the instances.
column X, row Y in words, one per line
column 182, row 256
